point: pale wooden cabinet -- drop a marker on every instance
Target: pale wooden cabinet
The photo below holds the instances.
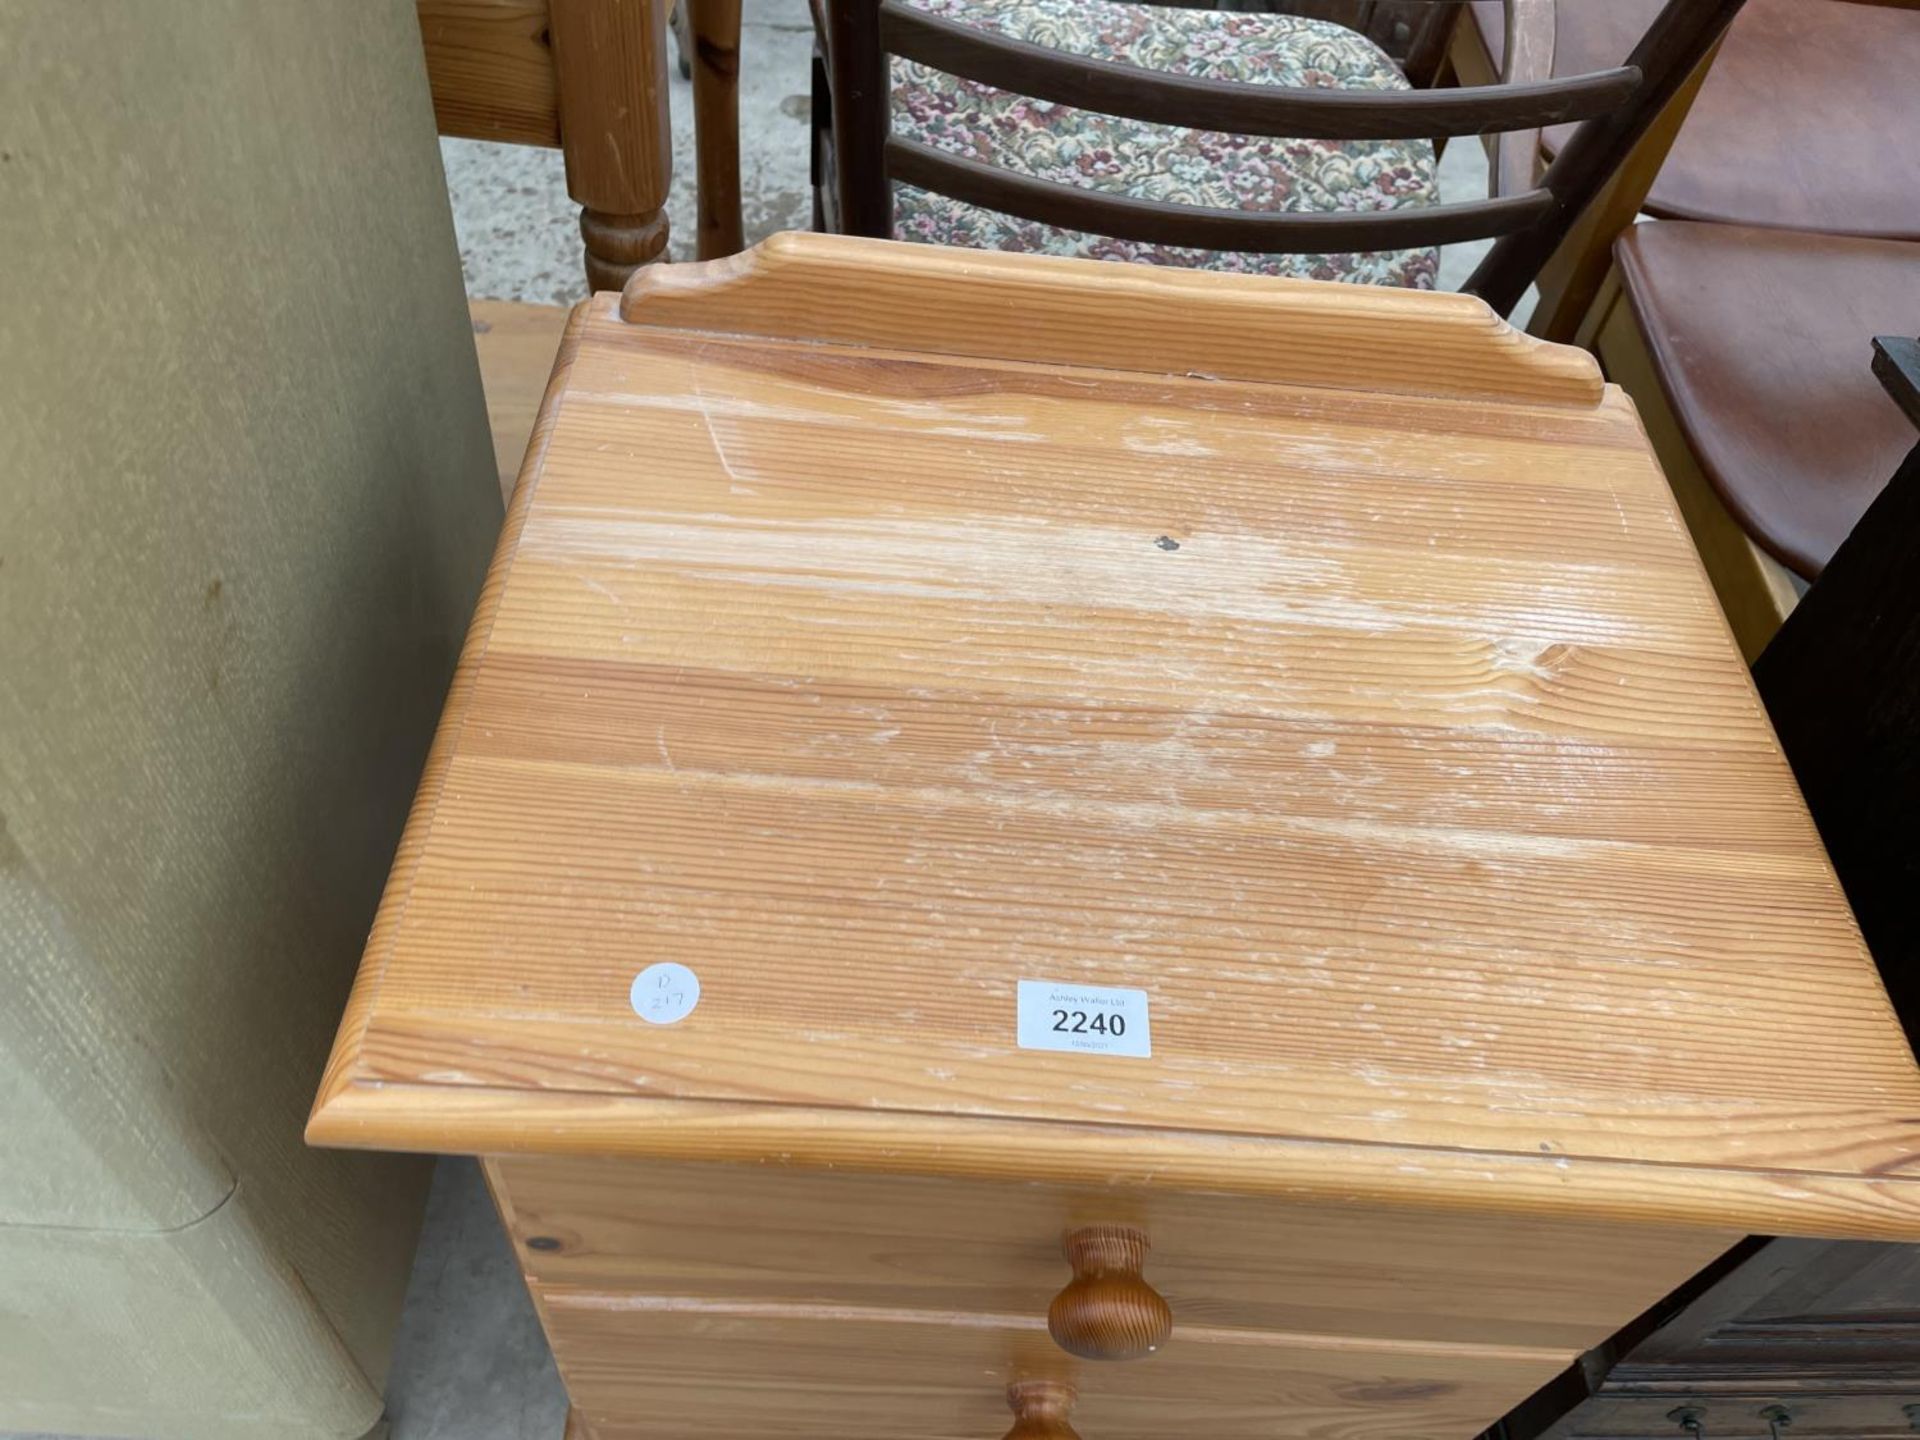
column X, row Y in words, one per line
column 1192, row 848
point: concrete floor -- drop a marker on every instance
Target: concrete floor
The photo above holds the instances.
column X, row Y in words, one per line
column 470, row 1362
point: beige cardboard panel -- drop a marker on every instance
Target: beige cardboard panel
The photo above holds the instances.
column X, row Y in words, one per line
column 246, row 498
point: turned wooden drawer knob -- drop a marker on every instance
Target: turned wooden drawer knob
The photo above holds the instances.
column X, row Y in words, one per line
column 1107, row 1311
column 1040, row 1409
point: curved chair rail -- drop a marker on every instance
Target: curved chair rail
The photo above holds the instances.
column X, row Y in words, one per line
column 1158, row 222
column 1295, row 113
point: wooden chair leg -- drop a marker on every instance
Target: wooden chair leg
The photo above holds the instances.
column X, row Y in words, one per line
column 1468, row 62
column 610, row 59
column 1426, row 66
column 1445, row 76
column 861, row 92
column 682, row 29
column 1755, row 590
column 716, row 123
column 826, row 205
column 1570, row 283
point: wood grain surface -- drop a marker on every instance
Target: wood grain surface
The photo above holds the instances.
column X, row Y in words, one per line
column 933, row 300
column 490, row 64
column 637, row 1366
column 791, row 1236
column 1392, row 742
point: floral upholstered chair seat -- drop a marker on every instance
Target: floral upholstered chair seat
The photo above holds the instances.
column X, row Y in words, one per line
column 1155, row 162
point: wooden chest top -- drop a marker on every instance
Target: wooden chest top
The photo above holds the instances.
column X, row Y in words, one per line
column 876, row 628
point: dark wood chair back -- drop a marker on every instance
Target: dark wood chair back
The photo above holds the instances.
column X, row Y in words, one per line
column 1841, row 681
column 1615, row 107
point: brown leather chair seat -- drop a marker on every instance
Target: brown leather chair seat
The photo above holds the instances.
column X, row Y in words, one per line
column 1762, row 341
column 1805, row 120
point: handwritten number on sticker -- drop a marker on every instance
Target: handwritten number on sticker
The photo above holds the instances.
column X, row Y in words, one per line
column 664, row 993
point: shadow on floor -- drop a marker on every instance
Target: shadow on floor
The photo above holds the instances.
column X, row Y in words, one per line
column 470, row 1362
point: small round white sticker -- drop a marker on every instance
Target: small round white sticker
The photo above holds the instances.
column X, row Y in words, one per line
column 664, row 993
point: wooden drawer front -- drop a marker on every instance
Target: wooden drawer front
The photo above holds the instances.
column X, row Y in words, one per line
column 783, row 1235
column 650, row 1368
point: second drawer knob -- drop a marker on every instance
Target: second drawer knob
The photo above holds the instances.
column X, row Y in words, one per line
column 1108, row 1311
column 1040, row 1410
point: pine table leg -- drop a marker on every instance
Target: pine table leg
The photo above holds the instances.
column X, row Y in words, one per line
column 610, row 59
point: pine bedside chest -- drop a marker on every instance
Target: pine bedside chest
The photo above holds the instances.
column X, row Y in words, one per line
column 1162, row 851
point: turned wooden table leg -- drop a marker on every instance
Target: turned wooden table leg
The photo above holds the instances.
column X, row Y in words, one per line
column 716, row 123
column 610, row 60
